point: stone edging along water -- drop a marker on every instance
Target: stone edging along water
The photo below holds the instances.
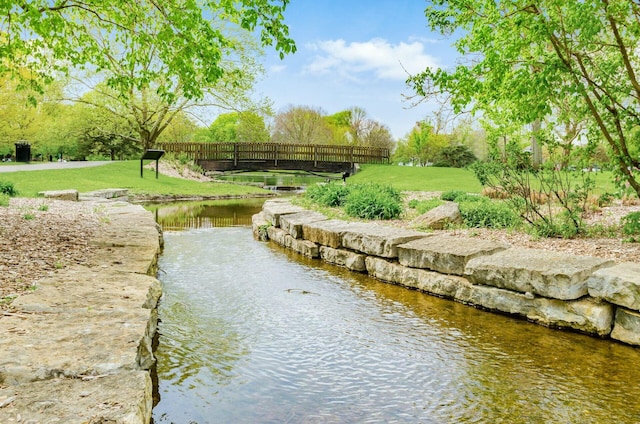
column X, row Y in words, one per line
column 79, row 348
column 586, row 294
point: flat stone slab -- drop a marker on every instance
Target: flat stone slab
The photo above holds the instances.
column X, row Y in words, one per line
column 627, row 327
column 376, row 239
column 326, row 233
column 619, row 284
column 551, row 274
column 293, row 223
column 448, row 255
column 108, row 193
column 584, row 315
column 304, row 247
column 60, row 194
column 124, row 398
column 346, row 258
column 79, row 289
column 41, row 346
column 273, row 209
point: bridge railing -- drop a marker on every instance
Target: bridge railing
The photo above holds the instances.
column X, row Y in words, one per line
column 276, row 151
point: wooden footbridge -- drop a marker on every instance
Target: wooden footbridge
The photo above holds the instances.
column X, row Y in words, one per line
column 274, row 156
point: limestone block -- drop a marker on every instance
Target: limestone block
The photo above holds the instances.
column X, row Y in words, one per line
column 427, row 281
column 125, row 398
column 351, row 260
column 108, row 193
column 550, row 274
column 259, row 225
column 627, row 327
column 304, row 247
column 292, row 223
column 273, row 209
column 585, row 315
column 60, row 194
column 377, row 240
column 439, row 217
column 619, row 284
column 326, row 233
column 445, row 254
column 85, row 343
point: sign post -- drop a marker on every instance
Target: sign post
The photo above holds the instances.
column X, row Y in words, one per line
column 151, row 155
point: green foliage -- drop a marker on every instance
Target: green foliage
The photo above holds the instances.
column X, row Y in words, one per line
column 631, row 226
column 452, row 195
column 481, row 212
column 4, row 200
column 534, row 65
column 422, row 206
column 330, row 194
column 422, row 146
column 365, row 201
column 458, row 156
column 373, row 201
column 8, row 188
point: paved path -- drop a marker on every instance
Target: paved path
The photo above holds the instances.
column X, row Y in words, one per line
column 52, row 165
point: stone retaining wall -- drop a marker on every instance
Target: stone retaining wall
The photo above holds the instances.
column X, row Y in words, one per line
column 79, row 348
column 581, row 293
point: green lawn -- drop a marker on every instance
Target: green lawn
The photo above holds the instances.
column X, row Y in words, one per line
column 119, row 175
column 408, row 178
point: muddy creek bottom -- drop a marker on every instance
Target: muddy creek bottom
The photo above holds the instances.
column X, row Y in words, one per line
column 251, row 333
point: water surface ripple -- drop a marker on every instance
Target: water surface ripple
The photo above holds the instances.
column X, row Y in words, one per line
column 251, row 333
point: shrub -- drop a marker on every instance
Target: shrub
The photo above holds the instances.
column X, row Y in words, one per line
column 373, row 201
column 7, row 187
column 631, row 226
column 452, row 195
column 330, row 194
column 484, row 213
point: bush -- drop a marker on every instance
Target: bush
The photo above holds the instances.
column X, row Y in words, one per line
column 7, row 187
column 452, row 195
column 631, row 226
column 484, row 213
column 331, row 194
column 373, row 201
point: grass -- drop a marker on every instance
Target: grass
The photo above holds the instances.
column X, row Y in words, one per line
column 119, row 175
column 408, row 178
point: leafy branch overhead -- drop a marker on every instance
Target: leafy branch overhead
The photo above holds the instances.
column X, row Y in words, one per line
column 546, row 63
column 187, row 41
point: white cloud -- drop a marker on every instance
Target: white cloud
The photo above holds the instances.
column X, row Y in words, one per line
column 385, row 60
column 276, row 69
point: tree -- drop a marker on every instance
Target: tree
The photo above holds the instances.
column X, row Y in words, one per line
column 529, row 55
column 421, row 146
column 246, row 127
column 301, row 125
column 186, row 38
column 354, row 127
column 455, row 156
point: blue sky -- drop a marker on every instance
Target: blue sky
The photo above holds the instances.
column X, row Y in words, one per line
column 352, row 53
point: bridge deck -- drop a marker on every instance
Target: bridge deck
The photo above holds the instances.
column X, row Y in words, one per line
column 263, row 156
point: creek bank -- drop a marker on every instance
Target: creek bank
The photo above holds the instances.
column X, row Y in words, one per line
column 78, row 348
column 581, row 293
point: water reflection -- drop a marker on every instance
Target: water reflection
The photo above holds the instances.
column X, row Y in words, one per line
column 205, row 214
column 254, row 333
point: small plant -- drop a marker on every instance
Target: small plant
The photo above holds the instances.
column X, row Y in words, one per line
column 373, row 201
column 631, row 227
column 331, row 194
column 422, row 206
column 7, row 187
column 452, row 195
column 488, row 214
column 43, row 207
column 28, row 216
